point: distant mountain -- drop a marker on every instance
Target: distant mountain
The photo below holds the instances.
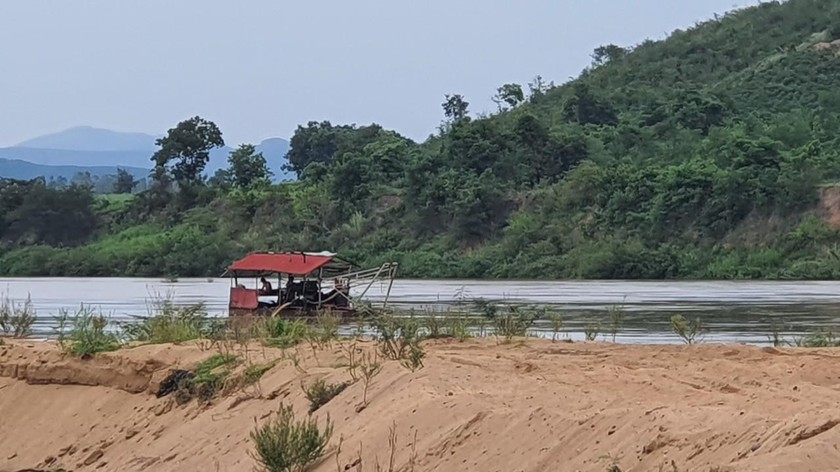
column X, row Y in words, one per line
column 87, row 138
column 274, row 150
column 17, row 169
column 65, row 157
column 96, row 149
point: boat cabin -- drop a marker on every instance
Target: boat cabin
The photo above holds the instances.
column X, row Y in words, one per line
column 269, row 284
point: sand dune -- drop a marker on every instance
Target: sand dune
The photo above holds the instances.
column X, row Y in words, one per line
column 475, row 406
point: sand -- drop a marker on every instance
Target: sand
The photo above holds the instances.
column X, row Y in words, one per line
column 475, row 406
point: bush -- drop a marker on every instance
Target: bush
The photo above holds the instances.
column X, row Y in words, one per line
column 286, row 445
column 688, row 331
column 88, row 334
column 320, row 393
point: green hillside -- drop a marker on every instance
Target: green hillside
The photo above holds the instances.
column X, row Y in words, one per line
column 701, row 156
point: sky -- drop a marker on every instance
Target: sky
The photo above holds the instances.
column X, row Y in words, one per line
column 259, row 68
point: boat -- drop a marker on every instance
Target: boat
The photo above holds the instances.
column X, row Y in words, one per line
column 314, row 282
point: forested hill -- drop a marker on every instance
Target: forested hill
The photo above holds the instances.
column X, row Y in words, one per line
column 710, row 154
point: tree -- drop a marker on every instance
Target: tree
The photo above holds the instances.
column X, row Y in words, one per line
column 125, row 182
column 82, row 178
column 585, row 108
column 609, row 53
column 323, row 143
column 510, row 94
column 538, row 87
column 317, row 142
column 455, row 108
column 188, row 146
column 248, row 168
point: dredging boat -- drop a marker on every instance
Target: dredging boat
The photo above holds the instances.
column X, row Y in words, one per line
column 314, row 282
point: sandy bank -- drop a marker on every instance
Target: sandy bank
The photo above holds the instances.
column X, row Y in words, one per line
column 475, row 406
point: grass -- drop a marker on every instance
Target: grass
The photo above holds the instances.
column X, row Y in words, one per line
column 16, row 320
column 513, row 323
column 170, row 324
column 821, row 338
column 254, row 372
column 87, row 335
column 283, row 334
column 287, row 445
column 210, row 376
column 319, row 393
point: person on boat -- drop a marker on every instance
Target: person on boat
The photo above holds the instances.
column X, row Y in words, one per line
column 265, row 288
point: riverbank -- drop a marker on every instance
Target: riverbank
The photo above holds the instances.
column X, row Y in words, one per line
column 529, row 405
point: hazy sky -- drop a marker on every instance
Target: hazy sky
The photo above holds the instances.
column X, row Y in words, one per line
column 258, row 68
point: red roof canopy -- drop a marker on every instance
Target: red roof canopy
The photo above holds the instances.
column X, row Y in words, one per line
column 293, row 263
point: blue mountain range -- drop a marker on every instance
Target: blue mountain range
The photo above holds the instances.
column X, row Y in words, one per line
column 100, row 152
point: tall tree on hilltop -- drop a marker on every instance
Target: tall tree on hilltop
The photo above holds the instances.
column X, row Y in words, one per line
column 510, row 94
column 248, row 168
column 455, row 108
column 186, row 148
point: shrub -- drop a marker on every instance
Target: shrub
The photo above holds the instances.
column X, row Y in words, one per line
column 556, row 325
column 88, row 334
column 286, row 445
column 591, row 330
column 370, row 367
column 688, row 331
column 321, row 392
column 616, row 320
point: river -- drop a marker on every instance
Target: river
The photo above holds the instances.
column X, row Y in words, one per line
column 740, row 312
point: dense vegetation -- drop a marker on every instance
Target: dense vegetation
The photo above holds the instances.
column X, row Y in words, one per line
column 703, row 155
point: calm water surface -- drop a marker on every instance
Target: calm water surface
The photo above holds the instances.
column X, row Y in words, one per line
column 732, row 311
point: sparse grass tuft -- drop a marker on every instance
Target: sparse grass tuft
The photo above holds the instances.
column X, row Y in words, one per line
column 211, row 373
column 514, row 322
column 254, row 372
column 88, row 334
column 395, row 335
column 320, row 393
column 283, row 334
column 170, row 324
column 821, row 338
column 16, row 320
column 287, row 445
column 325, row 330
